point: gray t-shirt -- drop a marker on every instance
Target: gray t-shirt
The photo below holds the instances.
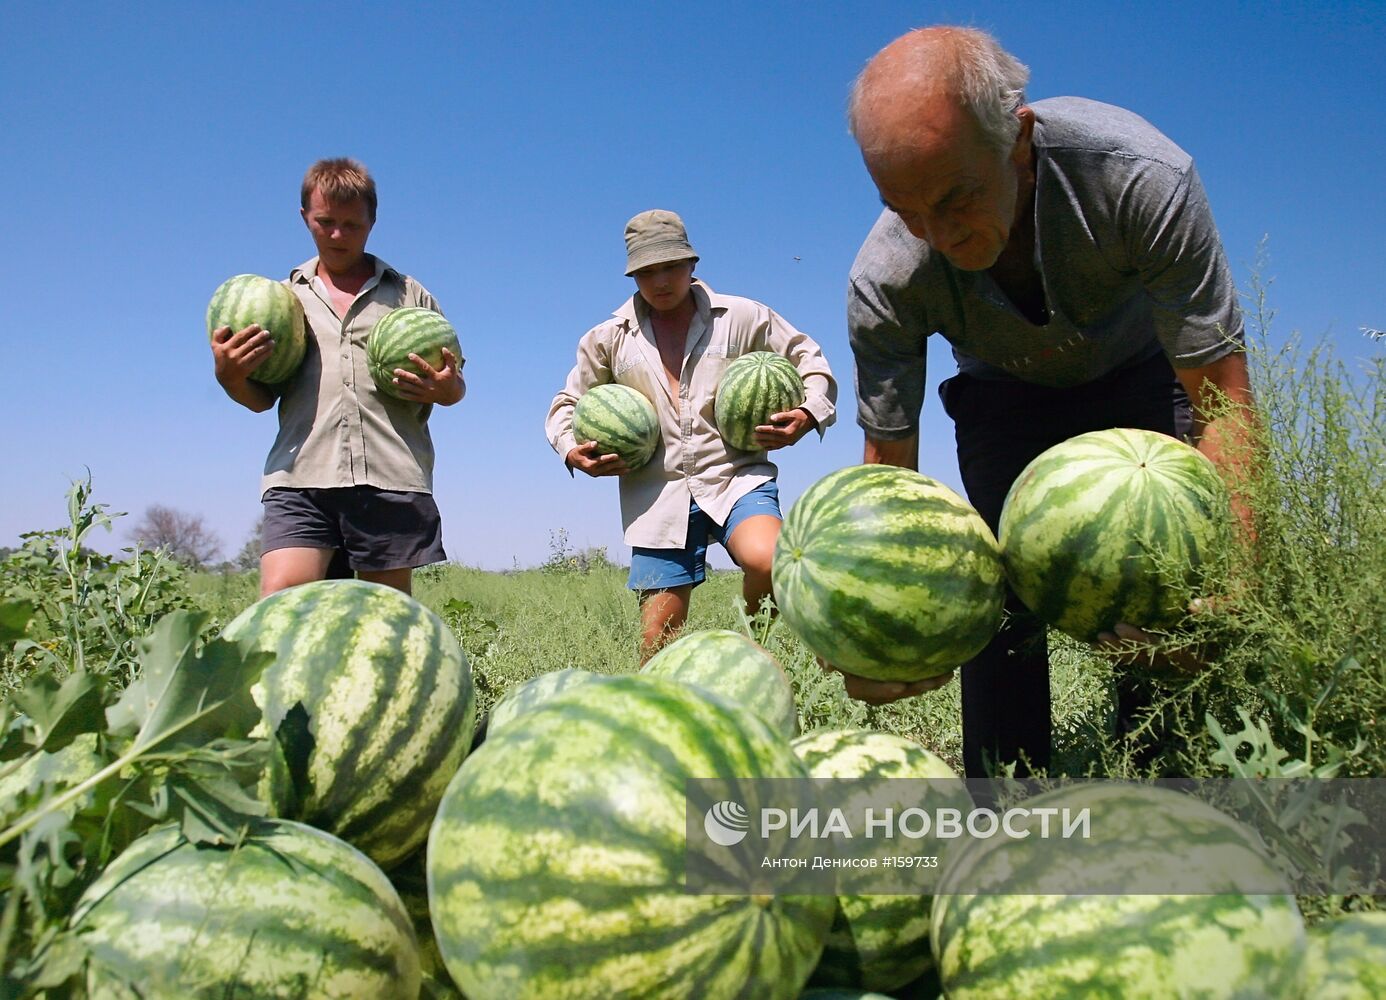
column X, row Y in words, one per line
column 1127, row 250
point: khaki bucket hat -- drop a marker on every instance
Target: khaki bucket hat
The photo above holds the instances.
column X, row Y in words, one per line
column 656, row 237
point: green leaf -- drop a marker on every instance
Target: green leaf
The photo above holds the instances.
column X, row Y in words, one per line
column 186, row 697
column 59, row 713
column 14, row 616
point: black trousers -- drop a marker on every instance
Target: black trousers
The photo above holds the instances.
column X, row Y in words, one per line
column 1001, row 427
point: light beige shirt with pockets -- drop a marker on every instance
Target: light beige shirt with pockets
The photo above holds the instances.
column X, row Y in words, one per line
column 335, row 427
column 692, row 461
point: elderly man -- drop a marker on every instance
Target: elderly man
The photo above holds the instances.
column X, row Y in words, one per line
column 1066, row 251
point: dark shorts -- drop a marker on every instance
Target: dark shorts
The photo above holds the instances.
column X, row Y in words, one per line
column 661, row 569
column 377, row 529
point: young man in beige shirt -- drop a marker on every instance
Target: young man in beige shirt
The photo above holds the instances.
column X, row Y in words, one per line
column 672, row 341
column 351, row 469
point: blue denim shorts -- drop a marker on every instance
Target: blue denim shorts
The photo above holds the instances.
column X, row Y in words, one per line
column 661, row 569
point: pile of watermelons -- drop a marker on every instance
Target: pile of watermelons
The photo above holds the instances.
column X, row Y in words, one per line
column 550, row 860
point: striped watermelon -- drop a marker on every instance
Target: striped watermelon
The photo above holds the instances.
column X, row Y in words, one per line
column 620, row 419
column 878, row 942
column 1111, row 526
column 556, row 863
column 249, row 298
column 733, row 666
column 43, row 774
column 410, row 879
column 389, row 702
column 753, row 387
column 1347, row 958
column 888, row 574
column 1137, row 947
column 535, row 691
column 291, row 913
column 402, row 332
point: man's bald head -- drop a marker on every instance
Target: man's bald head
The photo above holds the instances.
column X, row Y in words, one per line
column 891, row 99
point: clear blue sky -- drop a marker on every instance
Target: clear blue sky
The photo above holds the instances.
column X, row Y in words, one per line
column 153, row 150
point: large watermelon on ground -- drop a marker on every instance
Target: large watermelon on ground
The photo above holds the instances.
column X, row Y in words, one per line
column 879, row 942
column 887, row 574
column 387, row 714
column 991, row 938
column 535, row 691
column 410, row 879
column 755, row 386
column 248, row 298
column 291, row 913
column 1112, row 526
column 1347, row 958
column 620, row 419
column 402, row 332
column 556, row 865
column 733, row 666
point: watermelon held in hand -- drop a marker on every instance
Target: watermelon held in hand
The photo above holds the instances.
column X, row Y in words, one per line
column 248, row 298
column 402, row 332
column 1112, row 526
column 755, row 386
column 370, row 699
column 620, row 419
column 888, row 574
column 729, row 664
column 557, row 864
column 290, row 912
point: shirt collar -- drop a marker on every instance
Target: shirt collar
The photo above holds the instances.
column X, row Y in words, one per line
column 305, row 272
column 708, row 302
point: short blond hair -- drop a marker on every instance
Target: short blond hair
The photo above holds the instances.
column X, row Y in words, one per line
column 340, row 179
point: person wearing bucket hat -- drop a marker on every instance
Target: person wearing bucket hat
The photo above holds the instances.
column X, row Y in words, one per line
column 671, row 341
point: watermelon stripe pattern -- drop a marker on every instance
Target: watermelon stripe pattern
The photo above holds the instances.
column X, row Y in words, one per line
column 248, row 298
column 1347, row 958
column 621, row 420
column 887, row 574
column 401, row 332
column 389, row 698
column 1109, row 527
column 556, row 862
column 533, row 692
column 291, row 912
column 878, row 942
column 1144, row 947
column 753, row 387
column 731, row 665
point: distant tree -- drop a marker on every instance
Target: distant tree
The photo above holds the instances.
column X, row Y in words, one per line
column 248, row 558
column 186, row 538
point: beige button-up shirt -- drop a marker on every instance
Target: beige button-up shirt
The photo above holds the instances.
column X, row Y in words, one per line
column 692, row 461
column 335, row 427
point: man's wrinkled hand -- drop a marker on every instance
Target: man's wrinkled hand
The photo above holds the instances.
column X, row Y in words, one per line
column 875, row 692
column 785, row 428
column 589, row 459
column 442, row 386
column 1145, row 650
column 236, row 355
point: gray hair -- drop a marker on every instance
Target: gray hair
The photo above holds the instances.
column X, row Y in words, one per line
column 969, row 64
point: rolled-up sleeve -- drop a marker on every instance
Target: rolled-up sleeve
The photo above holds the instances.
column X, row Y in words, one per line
column 820, row 387
column 889, row 359
column 593, row 368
